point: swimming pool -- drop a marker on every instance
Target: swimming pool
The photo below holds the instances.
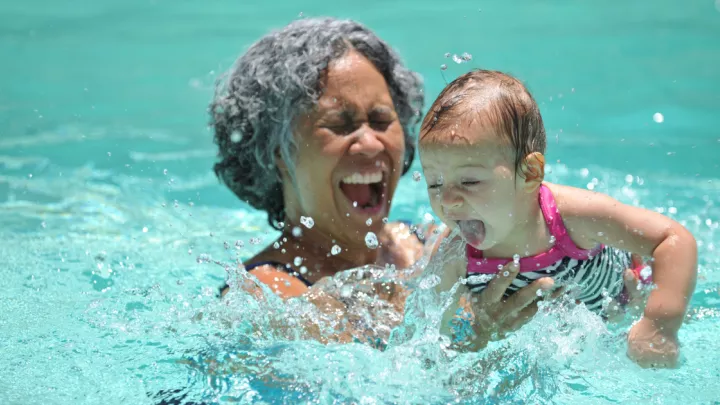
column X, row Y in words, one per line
column 111, row 221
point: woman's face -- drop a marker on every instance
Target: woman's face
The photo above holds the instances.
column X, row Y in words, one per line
column 350, row 154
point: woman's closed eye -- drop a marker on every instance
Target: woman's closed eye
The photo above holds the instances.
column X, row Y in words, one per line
column 381, row 118
column 344, row 128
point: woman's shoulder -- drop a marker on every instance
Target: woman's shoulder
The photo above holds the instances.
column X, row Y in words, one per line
column 274, row 274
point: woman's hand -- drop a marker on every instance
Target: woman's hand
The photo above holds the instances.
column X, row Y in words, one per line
column 493, row 316
column 636, row 297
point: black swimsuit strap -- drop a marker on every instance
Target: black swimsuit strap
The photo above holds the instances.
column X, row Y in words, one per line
column 284, row 267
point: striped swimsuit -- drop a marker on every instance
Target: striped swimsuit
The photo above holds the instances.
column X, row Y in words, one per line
column 598, row 272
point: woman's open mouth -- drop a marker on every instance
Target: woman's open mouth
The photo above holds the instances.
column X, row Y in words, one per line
column 366, row 192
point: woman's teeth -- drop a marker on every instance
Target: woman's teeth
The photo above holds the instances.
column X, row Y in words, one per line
column 358, row 178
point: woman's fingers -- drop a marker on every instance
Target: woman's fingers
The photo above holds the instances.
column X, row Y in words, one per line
column 521, row 318
column 558, row 293
column 633, row 287
column 526, row 296
column 495, row 289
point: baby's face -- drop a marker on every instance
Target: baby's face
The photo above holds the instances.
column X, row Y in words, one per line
column 472, row 186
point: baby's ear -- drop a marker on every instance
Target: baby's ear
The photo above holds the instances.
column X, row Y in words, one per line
column 533, row 170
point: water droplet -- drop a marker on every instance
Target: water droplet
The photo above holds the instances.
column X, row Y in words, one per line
column 297, row 261
column 447, row 54
column 658, row 117
column 443, row 67
column 346, row 291
column 336, row 250
column 368, row 222
column 303, row 270
column 109, row 154
column 371, row 240
column 307, row 221
column 354, row 205
column 235, row 137
column 276, row 245
column 457, row 59
column 584, row 172
column 145, row 229
column 43, row 224
column 287, row 283
column 297, row 232
column 672, row 210
column 516, row 258
column 385, row 220
column 239, row 244
column 590, row 186
column 500, row 266
column 539, row 293
column 416, row 176
column 646, row 272
column 552, row 239
column 254, row 241
column 203, row 258
column 429, row 282
column 629, row 178
column 466, row 56
column 281, row 224
column 506, row 273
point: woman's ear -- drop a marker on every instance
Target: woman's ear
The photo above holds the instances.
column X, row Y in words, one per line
column 533, row 171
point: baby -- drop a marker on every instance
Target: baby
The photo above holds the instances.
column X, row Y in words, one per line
column 481, row 147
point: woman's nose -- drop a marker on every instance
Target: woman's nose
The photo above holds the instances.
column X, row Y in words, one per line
column 367, row 143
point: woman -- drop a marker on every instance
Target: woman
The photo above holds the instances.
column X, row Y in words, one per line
column 315, row 125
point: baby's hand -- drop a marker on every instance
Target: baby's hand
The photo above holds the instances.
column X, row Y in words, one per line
column 649, row 346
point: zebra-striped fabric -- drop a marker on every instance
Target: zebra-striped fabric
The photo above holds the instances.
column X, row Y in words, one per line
column 598, row 279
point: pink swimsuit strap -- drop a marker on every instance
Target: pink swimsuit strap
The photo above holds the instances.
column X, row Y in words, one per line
column 563, row 247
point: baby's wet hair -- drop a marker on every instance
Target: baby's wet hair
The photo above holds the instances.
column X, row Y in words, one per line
column 495, row 100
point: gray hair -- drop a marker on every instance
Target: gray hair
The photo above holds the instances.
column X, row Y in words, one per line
column 277, row 79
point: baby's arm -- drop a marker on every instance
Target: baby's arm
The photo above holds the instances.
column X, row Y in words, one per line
column 593, row 218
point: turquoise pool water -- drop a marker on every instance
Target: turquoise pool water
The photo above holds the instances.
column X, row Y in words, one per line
column 110, row 217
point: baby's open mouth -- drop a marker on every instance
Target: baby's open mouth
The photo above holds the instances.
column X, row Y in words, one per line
column 365, row 191
column 473, row 231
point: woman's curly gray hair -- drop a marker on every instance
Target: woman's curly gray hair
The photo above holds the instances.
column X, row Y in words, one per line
column 279, row 78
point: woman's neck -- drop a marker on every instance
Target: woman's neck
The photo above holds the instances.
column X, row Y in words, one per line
column 313, row 250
